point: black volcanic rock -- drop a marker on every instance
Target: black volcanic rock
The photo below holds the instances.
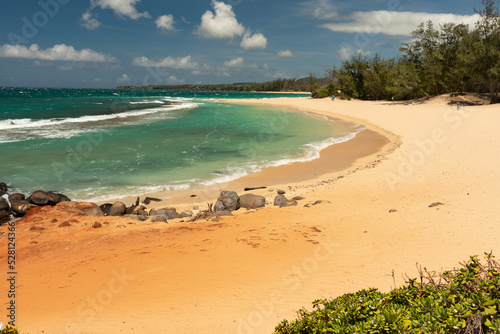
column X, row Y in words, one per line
column 4, row 205
column 227, row 201
column 3, row 189
column 16, row 197
column 21, row 208
column 39, row 197
column 251, row 201
column 117, row 209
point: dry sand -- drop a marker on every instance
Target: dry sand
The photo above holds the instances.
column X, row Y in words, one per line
column 246, row 273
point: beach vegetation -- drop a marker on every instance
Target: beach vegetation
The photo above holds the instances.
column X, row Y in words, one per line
column 465, row 300
column 322, row 93
column 278, row 85
column 455, row 58
column 9, row 330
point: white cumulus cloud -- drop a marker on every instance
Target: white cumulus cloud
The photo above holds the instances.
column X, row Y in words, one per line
column 394, row 23
column 89, row 22
column 346, row 53
column 223, row 24
column 57, row 52
column 174, row 80
column 179, row 63
column 238, row 63
column 253, row 42
column 322, row 9
column 123, row 79
column 285, row 53
column 235, row 62
column 165, row 22
column 124, row 8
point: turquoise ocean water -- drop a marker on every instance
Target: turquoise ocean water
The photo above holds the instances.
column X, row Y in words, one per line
column 93, row 144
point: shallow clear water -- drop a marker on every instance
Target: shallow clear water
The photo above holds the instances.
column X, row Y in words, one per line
column 99, row 144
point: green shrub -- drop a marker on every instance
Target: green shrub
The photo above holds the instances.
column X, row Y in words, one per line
column 9, row 330
column 324, row 93
column 459, row 301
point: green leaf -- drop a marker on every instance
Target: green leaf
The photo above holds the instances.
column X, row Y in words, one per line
column 489, row 311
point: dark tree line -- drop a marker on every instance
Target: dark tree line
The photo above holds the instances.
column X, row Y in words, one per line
column 278, row 85
column 455, row 58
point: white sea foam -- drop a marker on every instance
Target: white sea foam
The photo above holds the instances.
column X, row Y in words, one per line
column 147, row 102
column 312, row 152
column 24, row 123
column 231, row 176
column 47, row 134
column 104, row 194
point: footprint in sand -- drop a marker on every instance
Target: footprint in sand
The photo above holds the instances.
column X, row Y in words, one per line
column 249, row 243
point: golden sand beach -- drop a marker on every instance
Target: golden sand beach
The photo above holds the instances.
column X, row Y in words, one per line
column 247, row 272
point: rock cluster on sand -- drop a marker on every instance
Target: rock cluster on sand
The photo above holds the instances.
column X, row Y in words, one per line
column 280, row 198
column 230, row 201
column 140, row 213
column 17, row 205
column 283, row 202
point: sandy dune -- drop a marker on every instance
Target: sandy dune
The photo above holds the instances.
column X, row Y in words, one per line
column 245, row 273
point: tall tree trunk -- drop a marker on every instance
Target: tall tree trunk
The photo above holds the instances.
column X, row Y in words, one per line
column 493, row 87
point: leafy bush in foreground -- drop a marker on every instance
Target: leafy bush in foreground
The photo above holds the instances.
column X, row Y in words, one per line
column 459, row 301
column 9, row 330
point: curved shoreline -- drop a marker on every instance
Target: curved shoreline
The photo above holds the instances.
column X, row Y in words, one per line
column 368, row 146
column 365, row 150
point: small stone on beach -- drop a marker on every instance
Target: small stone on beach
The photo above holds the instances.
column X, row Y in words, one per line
column 251, row 201
column 253, row 188
column 159, row 219
column 117, row 209
column 278, row 200
column 288, row 204
column 148, row 200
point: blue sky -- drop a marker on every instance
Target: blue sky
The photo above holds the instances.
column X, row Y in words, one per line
column 105, row 43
